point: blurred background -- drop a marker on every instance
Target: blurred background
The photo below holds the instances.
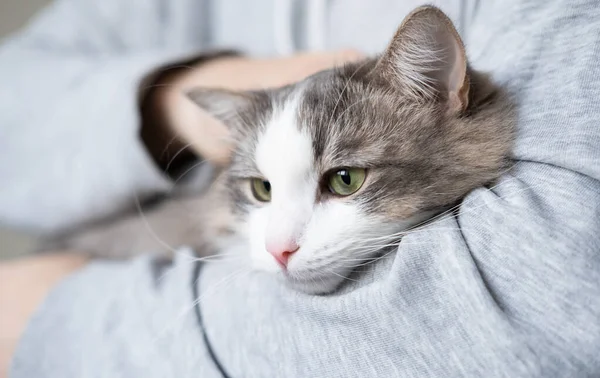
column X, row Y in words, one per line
column 13, row 15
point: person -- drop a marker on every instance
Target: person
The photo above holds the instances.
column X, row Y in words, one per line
column 510, row 286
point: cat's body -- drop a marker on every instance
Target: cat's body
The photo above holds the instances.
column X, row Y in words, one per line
column 329, row 170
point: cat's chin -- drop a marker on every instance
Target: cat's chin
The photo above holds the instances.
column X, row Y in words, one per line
column 317, row 285
column 302, row 282
column 314, row 285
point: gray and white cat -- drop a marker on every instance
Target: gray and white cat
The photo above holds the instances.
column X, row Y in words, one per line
column 327, row 169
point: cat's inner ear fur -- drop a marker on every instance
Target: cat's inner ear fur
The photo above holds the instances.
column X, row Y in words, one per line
column 427, row 59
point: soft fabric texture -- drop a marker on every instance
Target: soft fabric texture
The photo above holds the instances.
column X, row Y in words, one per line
column 508, row 288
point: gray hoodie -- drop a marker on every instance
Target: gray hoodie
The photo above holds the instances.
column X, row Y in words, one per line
column 510, row 287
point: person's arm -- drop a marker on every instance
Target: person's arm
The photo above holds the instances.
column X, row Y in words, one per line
column 23, row 285
column 528, row 255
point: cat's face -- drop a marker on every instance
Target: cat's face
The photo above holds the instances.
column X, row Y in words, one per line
column 327, row 172
column 317, row 204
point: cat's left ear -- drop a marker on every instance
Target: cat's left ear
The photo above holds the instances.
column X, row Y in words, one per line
column 426, row 58
column 234, row 109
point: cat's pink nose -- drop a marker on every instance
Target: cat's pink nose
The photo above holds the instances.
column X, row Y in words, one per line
column 282, row 251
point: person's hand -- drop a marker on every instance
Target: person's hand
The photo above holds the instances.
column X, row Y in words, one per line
column 24, row 284
column 207, row 136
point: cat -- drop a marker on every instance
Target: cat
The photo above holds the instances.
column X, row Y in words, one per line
column 326, row 169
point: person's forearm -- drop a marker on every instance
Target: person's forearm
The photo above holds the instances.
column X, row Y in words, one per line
column 24, row 284
column 163, row 108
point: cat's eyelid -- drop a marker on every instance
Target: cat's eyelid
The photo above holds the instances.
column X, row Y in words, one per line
column 328, row 172
column 365, row 165
column 344, row 163
column 249, row 177
column 247, row 174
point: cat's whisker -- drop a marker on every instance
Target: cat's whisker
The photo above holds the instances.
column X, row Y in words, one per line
column 462, row 211
column 373, row 249
column 503, row 182
column 339, row 275
column 430, row 222
column 427, row 224
column 451, row 209
column 191, row 168
column 171, row 141
column 185, row 310
column 216, row 257
column 370, row 260
column 362, row 250
column 405, row 233
column 212, row 259
column 186, row 146
column 227, row 279
column 367, row 249
column 149, row 228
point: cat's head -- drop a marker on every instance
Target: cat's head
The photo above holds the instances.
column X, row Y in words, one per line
column 327, row 171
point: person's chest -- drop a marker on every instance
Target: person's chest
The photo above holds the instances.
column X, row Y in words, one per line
column 279, row 27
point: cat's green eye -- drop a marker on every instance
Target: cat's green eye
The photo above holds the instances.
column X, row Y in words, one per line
column 346, row 181
column 261, row 189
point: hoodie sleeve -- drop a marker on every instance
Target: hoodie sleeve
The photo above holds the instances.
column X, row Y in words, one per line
column 69, row 112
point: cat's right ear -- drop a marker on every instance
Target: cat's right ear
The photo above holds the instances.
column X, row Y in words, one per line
column 426, row 58
column 232, row 108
